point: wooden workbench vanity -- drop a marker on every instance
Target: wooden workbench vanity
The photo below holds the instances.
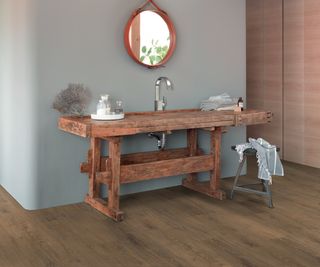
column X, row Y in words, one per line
column 119, row 169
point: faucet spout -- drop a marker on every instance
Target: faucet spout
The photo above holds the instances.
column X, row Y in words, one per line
column 160, row 104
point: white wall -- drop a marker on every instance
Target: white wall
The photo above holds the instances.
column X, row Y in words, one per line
column 82, row 41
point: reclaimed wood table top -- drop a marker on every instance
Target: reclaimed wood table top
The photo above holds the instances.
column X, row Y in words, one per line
column 155, row 121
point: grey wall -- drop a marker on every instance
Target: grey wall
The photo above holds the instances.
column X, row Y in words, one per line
column 18, row 153
column 82, row 41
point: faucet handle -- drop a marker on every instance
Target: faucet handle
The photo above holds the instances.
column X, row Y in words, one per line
column 164, row 102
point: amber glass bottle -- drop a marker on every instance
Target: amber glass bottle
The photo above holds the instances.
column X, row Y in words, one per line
column 240, row 103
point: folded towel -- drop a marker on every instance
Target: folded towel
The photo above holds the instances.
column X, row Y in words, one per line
column 232, row 107
column 219, row 102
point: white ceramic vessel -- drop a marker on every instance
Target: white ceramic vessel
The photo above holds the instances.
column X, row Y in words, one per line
column 107, row 117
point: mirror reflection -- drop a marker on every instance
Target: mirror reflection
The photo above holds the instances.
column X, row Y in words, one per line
column 149, row 38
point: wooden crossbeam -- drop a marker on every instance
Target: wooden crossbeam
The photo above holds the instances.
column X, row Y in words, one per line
column 102, row 206
column 204, row 188
column 163, row 168
column 152, row 170
column 144, row 157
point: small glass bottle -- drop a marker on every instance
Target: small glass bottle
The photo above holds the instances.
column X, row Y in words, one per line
column 101, row 108
column 107, row 103
column 119, row 107
column 240, row 103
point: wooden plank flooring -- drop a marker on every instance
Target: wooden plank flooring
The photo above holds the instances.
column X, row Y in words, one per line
column 173, row 227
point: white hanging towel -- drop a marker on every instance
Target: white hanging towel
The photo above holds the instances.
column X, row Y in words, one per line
column 269, row 162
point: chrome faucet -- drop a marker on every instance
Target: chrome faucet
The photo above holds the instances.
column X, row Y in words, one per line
column 158, row 106
column 161, row 104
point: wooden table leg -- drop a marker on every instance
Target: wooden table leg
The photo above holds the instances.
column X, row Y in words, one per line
column 216, row 173
column 94, row 159
column 114, row 187
column 110, row 208
column 192, row 139
column 211, row 188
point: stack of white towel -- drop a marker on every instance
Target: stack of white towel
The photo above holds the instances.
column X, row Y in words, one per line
column 219, row 102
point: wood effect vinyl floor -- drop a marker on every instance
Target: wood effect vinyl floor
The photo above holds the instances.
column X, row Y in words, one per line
column 173, row 227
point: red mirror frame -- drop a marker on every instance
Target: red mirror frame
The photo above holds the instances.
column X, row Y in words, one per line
column 172, row 38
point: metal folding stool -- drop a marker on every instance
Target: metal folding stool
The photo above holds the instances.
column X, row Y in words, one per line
column 266, row 188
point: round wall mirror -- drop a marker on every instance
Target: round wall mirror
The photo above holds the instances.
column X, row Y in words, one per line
column 150, row 38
